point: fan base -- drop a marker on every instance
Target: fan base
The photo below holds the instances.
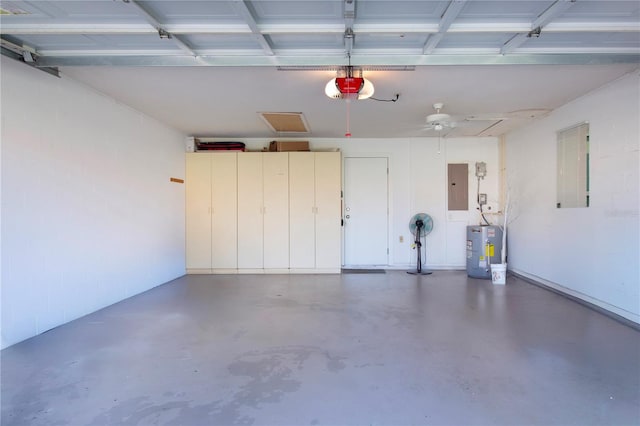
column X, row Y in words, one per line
column 419, row 273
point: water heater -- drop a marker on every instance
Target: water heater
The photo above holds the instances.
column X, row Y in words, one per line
column 484, row 246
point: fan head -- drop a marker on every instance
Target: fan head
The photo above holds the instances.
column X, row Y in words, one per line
column 424, row 221
column 438, row 117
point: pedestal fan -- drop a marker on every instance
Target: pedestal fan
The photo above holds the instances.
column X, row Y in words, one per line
column 420, row 225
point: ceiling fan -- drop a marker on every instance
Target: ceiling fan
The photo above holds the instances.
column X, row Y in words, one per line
column 439, row 121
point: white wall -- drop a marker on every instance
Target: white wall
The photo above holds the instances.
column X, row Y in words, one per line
column 592, row 253
column 89, row 216
column 418, row 183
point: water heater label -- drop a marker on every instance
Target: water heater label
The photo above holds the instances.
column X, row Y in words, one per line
column 491, row 232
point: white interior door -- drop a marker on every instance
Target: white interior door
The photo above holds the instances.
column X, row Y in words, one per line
column 366, row 211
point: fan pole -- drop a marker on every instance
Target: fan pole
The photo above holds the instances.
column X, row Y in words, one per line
column 418, row 242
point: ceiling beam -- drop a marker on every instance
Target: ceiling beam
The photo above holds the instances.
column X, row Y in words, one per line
column 242, row 8
column 349, row 16
column 452, row 12
column 338, row 58
column 162, row 32
column 24, row 54
column 361, row 28
column 556, row 9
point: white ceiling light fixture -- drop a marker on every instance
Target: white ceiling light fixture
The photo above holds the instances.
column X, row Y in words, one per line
column 349, row 86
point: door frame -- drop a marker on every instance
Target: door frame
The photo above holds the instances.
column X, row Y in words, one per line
column 389, row 157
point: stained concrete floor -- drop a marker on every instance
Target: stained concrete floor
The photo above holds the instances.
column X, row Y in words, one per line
column 380, row 349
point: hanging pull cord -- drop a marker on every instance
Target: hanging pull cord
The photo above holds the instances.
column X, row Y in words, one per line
column 348, row 132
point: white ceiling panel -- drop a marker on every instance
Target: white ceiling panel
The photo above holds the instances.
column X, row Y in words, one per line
column 469, row 41
column 192, row 12
column 305, row 11
column 234, row 42
column 70, row 11
column 406, row 12
column 306, row 41
column 503, row 11
column 603, row 11
column 593, row 41
column 392, row 41
column 122, row 43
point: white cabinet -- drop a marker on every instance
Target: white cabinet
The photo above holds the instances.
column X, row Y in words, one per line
column 211, row 212
column 275, row 169
column 198, row 212
column 328, row 180
column 263, row 211
column 314, row 208
column 302, row 228
column 250, row 211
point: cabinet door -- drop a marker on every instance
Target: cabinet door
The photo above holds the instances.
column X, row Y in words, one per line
column 224, row 187
column 301, row 210
column 328, row 172
column 198, row 211
column 276, row 210
column 250, row 207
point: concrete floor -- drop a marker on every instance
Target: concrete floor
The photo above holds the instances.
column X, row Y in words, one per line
column 379, row 349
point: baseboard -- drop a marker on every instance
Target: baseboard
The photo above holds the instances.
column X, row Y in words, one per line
column 625, row 317
column 262, row 271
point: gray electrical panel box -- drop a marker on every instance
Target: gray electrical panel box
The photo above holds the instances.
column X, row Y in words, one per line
column 484, row 247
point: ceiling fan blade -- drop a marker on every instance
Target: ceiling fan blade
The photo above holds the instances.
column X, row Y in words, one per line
column 486, row 117
column 495, row 116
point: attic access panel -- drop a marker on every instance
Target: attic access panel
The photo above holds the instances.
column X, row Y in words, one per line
column 285, row 122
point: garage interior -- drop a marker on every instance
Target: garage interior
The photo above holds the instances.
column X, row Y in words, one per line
column 146, row 281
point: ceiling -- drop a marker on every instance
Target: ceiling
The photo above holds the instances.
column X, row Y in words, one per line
column 207, row 68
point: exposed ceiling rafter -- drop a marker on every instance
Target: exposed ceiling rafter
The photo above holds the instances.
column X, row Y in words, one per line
column 349, row 15
column 162, row 31
column 244, row 11
column 556, row 9
column 24, row 54
column 453, row 10
column 372, row 60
